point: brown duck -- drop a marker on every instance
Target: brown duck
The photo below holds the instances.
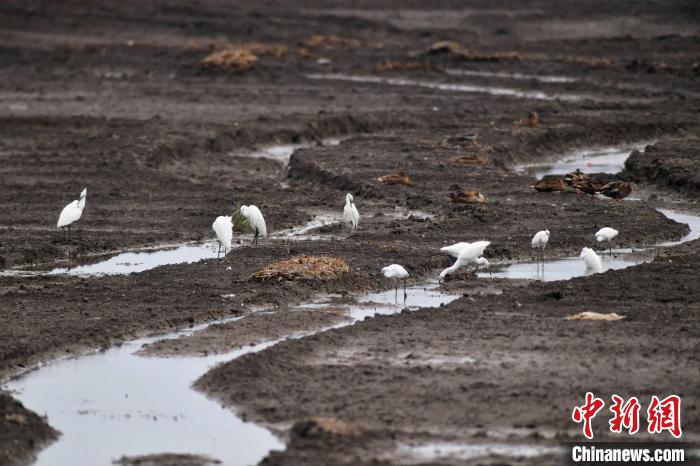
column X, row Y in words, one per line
column 549, row 185
column 575, row 177
column 396, row 178
column 587, row 187
column 616, row 190
column 467, row 197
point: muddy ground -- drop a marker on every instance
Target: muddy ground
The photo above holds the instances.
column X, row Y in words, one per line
column 112, row 98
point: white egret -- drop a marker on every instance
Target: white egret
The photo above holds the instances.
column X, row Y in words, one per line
column 539, row 241
column 606, row 234
column 256, row 220
column 592, row 261
column 454, row 249
column 72, row 212
column 351, row 217
column 469, row 254
column 396, row 272
column 223, row 227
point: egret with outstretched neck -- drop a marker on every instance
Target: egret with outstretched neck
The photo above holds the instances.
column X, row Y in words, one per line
column 470, row 254
column 72, row 213
column 592, row 261
column 256, row 220
column 539, row 241
column 223, row 227
column 606, row 234
column 396, row 272
column 351, row 217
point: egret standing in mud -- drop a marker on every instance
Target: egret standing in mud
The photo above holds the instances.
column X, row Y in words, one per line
column 351, row 217
column 606, row 234
column 469, row 254
column 539, row 241
column 256, row 220
column 223, row 227
column 72, row 212
column 454, row 249
column 592, row 261
column 396, row 272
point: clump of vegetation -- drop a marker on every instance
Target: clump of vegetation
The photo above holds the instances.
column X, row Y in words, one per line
column 240, row 223
column 304, row 268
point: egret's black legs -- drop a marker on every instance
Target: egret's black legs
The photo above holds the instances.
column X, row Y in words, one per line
column 255, row 238
column 396, row 295
column 218, row 253
column 69, row 235
column 405, row 295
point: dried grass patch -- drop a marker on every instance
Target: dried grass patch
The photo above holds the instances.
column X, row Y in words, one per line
column 241, row 57
column 304, row 268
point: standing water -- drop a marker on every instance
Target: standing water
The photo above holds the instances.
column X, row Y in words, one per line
column 115, row 403
column 603, row 160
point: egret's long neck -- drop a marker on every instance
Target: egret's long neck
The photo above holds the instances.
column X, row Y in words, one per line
column 451, row 268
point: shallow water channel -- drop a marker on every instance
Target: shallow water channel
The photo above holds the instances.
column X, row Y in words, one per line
column 114, row 403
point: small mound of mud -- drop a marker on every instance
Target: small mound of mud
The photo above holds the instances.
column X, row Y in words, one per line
column 166, row 459
column 316, row 427
column 20, row 432
column 674, row 164
column 304, row 268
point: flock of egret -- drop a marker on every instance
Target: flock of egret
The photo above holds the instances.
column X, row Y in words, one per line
column 464, row 253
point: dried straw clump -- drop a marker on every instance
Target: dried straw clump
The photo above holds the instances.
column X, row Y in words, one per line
column 241, row 57
column 321, row 41
column 595, row 316
column 304, row 268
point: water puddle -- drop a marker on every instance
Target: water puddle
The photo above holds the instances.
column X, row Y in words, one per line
column 135, row 261
column 603, row 160
column 562, row 269
column 282, row 152
column 434, row 452
column 693, row 222
column 388, row 302
column 450, row 87
column 572, row 267
column 114, row 403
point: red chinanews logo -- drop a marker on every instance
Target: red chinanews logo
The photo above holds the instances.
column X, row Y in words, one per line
column 662, row 415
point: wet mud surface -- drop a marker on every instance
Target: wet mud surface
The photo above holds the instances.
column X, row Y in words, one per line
column 112, row 98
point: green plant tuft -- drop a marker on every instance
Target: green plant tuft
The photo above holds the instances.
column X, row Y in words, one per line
column 240, row 223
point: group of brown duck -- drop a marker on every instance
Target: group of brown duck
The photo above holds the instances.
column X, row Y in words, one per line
column 579, row 182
